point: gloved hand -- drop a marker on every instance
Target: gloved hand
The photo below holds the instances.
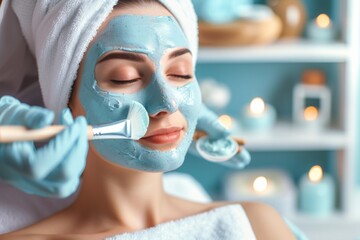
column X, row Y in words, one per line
column 53, row 170
column 209, row 123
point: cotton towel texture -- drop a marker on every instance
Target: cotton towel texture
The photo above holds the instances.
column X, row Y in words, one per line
column 42, row 43
column 229, row 222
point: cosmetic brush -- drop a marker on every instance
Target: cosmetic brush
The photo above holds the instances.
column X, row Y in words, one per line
column 133, row 127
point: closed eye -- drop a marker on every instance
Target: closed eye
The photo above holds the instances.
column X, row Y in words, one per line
column 187, row 77
column 124, row 82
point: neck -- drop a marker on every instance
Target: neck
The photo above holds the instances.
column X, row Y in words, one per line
column 130, row 198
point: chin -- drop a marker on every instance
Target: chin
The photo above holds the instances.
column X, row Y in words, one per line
column 161, row 168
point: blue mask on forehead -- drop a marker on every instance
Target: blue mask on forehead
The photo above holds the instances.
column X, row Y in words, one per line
column 152, row 36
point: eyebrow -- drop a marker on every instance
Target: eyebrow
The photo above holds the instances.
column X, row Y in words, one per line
column 139, row 57
column 179, row 52
column 124, row 55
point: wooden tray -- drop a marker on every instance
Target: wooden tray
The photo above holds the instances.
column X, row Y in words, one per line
column 241, row 32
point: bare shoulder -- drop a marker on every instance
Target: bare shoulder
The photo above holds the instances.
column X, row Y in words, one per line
column 27, row 233
column 31, row 234
column 24, row 233
column 21, row 235
column 266, row 221
column 43, row 229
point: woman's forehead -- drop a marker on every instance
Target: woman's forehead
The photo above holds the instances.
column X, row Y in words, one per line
column 150, row 35
column 140, row 10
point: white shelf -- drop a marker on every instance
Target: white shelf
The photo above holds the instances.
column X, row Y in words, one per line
column 287, row 136
column 282, row 51
column 334, row 227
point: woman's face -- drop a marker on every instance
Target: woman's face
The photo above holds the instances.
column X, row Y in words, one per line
column 144, row 58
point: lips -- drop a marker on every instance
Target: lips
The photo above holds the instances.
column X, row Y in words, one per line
column 164, row 135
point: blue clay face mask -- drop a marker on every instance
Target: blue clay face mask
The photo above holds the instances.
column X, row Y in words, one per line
column 152, row 36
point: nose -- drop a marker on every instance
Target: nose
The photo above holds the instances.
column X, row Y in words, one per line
column 162, row 99
column 160, row 114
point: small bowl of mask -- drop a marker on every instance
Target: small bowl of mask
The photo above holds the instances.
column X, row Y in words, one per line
column 219, row 150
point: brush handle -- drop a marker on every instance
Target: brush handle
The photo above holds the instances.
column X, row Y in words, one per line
column 9, row 134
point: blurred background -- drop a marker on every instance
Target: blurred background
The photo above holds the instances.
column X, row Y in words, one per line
column 284, row 76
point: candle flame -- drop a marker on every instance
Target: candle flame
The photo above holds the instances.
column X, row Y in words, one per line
column 315, row 174
column 311, row 113
column 257, row 106
column 323, row 21
column 226, row 121
column 260, row 184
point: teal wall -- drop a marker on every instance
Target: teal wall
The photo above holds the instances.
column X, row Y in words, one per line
column 315, row 7
column 272, row 81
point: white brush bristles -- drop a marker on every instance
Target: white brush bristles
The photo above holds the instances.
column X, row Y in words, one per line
column 139, row 120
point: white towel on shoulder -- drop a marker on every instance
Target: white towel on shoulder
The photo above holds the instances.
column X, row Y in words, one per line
column 224, row 223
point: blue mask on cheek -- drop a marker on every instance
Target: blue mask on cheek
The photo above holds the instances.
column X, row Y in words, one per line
column 150, row 35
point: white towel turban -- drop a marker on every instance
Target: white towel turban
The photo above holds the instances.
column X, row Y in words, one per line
column 42, row 43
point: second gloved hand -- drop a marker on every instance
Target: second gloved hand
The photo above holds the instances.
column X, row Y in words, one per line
column 53, row 170
column 209, row 123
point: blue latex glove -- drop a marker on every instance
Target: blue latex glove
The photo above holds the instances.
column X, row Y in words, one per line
column 209, row 123
column 53, row 170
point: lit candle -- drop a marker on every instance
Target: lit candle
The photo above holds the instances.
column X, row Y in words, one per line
column 258, row 115
column 311, row 118
column 317, row 193
column 257, row 106
column 228, row 122
column 311, row 114
column 270, row 186
column 321, row 29
column 260, row 185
